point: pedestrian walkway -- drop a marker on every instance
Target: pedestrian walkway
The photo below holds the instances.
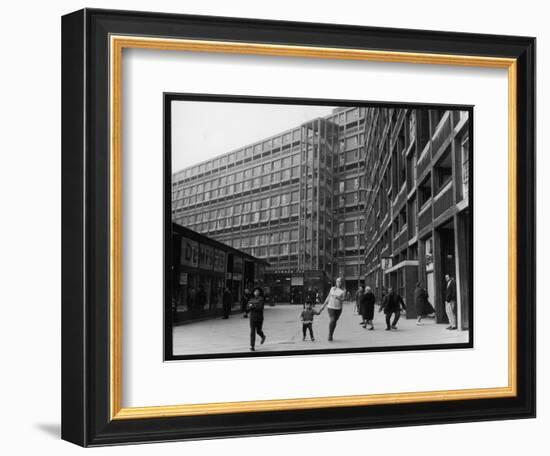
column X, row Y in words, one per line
column 283, row 329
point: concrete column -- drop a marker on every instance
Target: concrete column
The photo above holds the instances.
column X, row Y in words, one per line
column 462, row 262
column 439, row 298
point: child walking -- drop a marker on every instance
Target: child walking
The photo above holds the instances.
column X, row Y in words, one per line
column 307, row 320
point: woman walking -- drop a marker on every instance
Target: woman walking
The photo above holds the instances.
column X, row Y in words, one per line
column 367, row 308
column 256, row 316
column 334, row 303
column 423, row 306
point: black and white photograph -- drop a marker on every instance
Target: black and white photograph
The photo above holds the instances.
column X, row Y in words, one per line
column 301, row 227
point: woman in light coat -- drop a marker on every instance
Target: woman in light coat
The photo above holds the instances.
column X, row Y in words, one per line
column 335, row 303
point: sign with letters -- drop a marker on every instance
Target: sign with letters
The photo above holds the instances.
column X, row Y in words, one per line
column 206, row 254
column 189, row 252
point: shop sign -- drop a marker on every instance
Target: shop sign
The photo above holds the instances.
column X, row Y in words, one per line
column 205, row 257
column 297, row 281
column 189, row 252
column 183, row 278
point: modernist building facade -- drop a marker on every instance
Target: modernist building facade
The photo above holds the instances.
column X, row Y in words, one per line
column 294, row 200
column 376, row 195
column 418, row 212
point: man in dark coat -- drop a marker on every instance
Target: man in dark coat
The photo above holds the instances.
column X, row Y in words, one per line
column 227, row 301
column 392, row 304
column 450, row 301
column 256, row 309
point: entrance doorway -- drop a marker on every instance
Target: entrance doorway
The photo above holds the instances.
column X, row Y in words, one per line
column 447, row 261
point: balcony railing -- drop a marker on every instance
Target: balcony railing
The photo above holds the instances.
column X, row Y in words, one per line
column 424, row 160
column 443, row 200
column 443, row 131
column 425, row 216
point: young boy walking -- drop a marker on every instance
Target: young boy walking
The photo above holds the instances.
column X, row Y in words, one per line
column 307, row 320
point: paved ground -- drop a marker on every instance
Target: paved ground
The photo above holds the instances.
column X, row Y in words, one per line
column 283, row 329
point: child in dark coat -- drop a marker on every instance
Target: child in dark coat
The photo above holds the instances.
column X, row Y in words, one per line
column 307, row 320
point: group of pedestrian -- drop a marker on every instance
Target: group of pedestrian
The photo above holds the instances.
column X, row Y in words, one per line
column 365, row 300
column 392, row 305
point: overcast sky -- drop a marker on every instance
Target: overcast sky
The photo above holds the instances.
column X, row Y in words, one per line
column 202, row 130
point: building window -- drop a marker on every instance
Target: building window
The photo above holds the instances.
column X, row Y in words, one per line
column 424, row 191
column 443, row 171
column 402, row 218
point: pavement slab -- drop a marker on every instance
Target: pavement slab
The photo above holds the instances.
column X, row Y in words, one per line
column 283, row 329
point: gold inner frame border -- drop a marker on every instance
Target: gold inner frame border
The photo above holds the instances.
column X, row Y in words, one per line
column 116, row 46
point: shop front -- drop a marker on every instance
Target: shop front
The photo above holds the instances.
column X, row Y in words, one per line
column 290, row 286
column 203, row 268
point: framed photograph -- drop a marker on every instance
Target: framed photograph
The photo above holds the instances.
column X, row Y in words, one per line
column 354, row 202
column 277, row 227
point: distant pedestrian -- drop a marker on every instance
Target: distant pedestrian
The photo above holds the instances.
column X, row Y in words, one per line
column 307, row 320
column 392, row 304
column 358, row 295
column 256, row 319
column 335, row 304
column 422, row 303
column 227, row 301
column 366, row 307
column 192, row 294
column 311, row 297
column 244, row 302
column 450, row 301
column 201, row 298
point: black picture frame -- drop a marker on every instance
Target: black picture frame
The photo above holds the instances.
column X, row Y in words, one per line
column 86, row 357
